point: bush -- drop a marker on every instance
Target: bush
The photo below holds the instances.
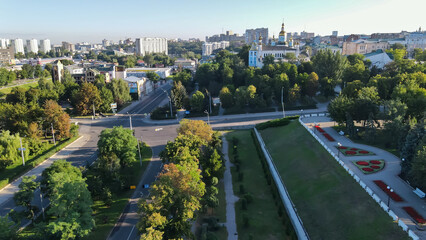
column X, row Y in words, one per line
column 246, row 222
column 242, row 190
column 212, row 223
column 161, row 112
column 248, row 197
column 275, row 123
column 240, row 176
column 243, row 204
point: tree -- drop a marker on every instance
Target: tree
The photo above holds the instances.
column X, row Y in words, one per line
column 244, row 53
column 59, row 166
column 338, row 108
column 291, row 57
column 185, row 147
column 197, row 101
column 70, row 204
column 196, row 127
column 370, row 132
column 329, row 65
column 9, row 153
column 119, row 141
column 34, row 131
column 412, row 141
column 269, row 59
column 120, row 91
column 226, row 98
column 418, row 168
column 25, row 194
column 86, row 98
column 178, row 94
column 7, row 229
column 294, row 93
column 106, row 99
column 175, row 196
column 311, row 85
column 185, row 78
column 54, row 114
column 327, row 87
column 153, row 77
column 149, row 60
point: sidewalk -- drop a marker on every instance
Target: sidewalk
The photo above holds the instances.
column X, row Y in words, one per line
column 389, row 174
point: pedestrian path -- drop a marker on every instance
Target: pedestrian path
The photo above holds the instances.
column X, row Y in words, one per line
column 230, row 224
column 389, row 174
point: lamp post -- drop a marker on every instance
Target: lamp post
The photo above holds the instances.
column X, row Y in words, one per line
column 53, row 133
column 208, row 116
column 22, row 151
column 391, row 191
column 338, row 149
column 139, row 150
column 403, row 159
column 130, row 120
column 170, row 99
column 282, row 100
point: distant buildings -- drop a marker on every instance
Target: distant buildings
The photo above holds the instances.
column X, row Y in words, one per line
column 141, row 72
column 106, row 43
column 229, row 36
column 416, row 40
column 18, row 45
column 253, row 35
column 151, row 45
column 307, row 35
column 208, row 48
column 7, row 55
column 57, row 71
column 32, row 46
column 68, row 46
column 334, row 33
column 4, row 43
column 363, row 46
column 45, row 45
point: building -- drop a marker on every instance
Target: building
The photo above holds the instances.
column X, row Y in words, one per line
column 7, row 56
column 208, row 48
column 32, row 46
column 91, row 73
column 106, row 43
column 151, row 45
column 76, row 71
column 253, row 35
column 57, row 71
column 68, row 46
column 138, row 86
column 18, row 45
column 416, row 40
column 306, row 35
column 185, row 63
column 363, row 46
column 229, row 36
column 334, row 33
column 4, row 43
column 334, row 49
column 378, row 58
column 141, row 72
column 45, row 45
column 388, row 35
column 278, row 49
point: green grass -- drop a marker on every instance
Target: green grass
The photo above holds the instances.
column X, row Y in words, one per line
column 343, row 151
column 16, row 170
column 330, row 203
column 360, row 167
column 262, row 212
column 380, row 142
column 106, row 217
column 5, row 91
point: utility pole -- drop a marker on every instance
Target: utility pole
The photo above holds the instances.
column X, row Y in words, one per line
column 94, row 113
column 53, row 133
column 282, row 100
column 130, row 119
column 140, row 156
column 22, row 152
column 208, row 116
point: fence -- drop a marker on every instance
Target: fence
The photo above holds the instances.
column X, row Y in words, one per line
column 285, row 197
column 357, row 179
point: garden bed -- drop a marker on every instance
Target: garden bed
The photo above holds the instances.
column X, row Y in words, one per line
column 415, row 215
column 385, row 189
column 371, row 166
column 351, row 151
column 329, row 138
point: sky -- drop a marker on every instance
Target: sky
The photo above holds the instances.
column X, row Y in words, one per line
column 94, row 20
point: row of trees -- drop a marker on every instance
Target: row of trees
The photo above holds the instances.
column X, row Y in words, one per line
column 188, row 183
column 131, row 60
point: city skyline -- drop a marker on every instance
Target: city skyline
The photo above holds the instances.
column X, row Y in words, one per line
column 188, row 19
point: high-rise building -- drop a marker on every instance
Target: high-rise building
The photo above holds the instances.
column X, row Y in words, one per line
column 18, row 45
column 253, row 35
column 45, row 45
column 151, row 45
column 334, row 33
column 106, row 43
column 208, row 48
column 68, row 46
column 32, row 46
column 4, row 43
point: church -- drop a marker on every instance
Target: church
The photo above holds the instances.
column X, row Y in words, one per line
column 278, row 49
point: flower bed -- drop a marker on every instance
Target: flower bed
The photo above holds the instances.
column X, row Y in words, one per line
column 371, row 166
column 353, row 151
column 319, row 129
column 385, row 189
column 330, row 138
column 415, row 215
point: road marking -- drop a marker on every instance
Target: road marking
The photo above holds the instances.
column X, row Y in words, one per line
column 131, row 232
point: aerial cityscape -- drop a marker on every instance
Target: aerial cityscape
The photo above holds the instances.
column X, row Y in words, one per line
column 239, row 120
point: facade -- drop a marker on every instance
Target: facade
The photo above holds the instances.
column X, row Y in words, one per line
column 416, row 40
column 333, row 49
column 57, row 71
column 208, row 48
column 4, row 43
column 91, row 73
column 253, row 35
column 185, row 63
column 106, row 43
column 229, row 36
column 7, row 55
column 363, row 46
column 151, row 45
column 18, row 45
column 378, row 58
column 68, row 46
column 45, row 45
column 141, row 72
column 138, row 86
column 32, row 46
column 307, row 35
column 334, row 33
column 278, row 49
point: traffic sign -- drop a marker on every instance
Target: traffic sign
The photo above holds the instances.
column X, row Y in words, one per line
column 187, row 112
column 21, row 149
column 133, row 187
column 114, row 105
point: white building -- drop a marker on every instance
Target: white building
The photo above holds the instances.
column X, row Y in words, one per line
column 141, row 72
column 151, row 45
column 45, row 45
column 4, row 43
column 18, row 45
column 416, row 40
column 139, row 86
column 208, row 48
column 32, row 45
column 378, row 58
column 106, row 43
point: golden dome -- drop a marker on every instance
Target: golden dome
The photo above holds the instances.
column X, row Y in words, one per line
column 282, row 33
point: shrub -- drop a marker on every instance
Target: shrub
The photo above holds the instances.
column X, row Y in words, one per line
column 246, row 222
column 240, row 176
column 248, row 197
column 242, row 190
column 243, row 204
column 275, row 123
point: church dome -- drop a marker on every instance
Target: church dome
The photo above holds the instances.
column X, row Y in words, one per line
column 282, row 33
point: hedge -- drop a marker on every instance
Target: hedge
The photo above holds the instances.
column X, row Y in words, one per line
column 276, row 122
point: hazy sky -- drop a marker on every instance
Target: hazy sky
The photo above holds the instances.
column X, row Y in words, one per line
column 94, row 20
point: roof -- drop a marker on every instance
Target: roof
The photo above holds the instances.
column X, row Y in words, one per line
column 380, row 51
column 276, row 48
column 133, row 79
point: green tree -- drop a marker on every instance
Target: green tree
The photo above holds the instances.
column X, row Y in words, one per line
column 329, row 65
column 244, row 53
column 25, row 195
column 154, row 77
column 120, row 91
column 149, row 60
column 196, row 127
column 59, row 166
column 269, row 59
column 7, row 229
column 294, row 93
column 54, row 114
column 226, row 98
column 86, row 98
column 119, row 141
column 311, row 85
column 106, row 99
column 9, row 153
column 327, row 86
column 197, row 101
column 412, row 141
column 418, row 168
column 178, row 94
column 338, row 108
column 184, row 77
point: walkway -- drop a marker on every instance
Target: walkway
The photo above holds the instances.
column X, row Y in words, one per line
column 230, row 224
column 389, row 174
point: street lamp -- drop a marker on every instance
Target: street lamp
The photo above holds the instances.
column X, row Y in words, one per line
column 208, row 116
column 338, row 149
column 391, row 191
column 403, row 159
column 130, row 119
column 170, row 99
column 282, row 100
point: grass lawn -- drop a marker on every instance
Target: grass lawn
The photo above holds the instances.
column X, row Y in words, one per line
column 264, row 222
column 16, row 170
column 330, row 203
column 371, row 166
column 106, row 217
column 5, row 91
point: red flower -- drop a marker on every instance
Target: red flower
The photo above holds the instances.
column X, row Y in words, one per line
column 414, row 214
column 363, row 163
column 375, row 166
column 354, row 149
column 364, row 152
column 375, row 162
column 367, row 169
column 385, row 189
column 350, row 152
